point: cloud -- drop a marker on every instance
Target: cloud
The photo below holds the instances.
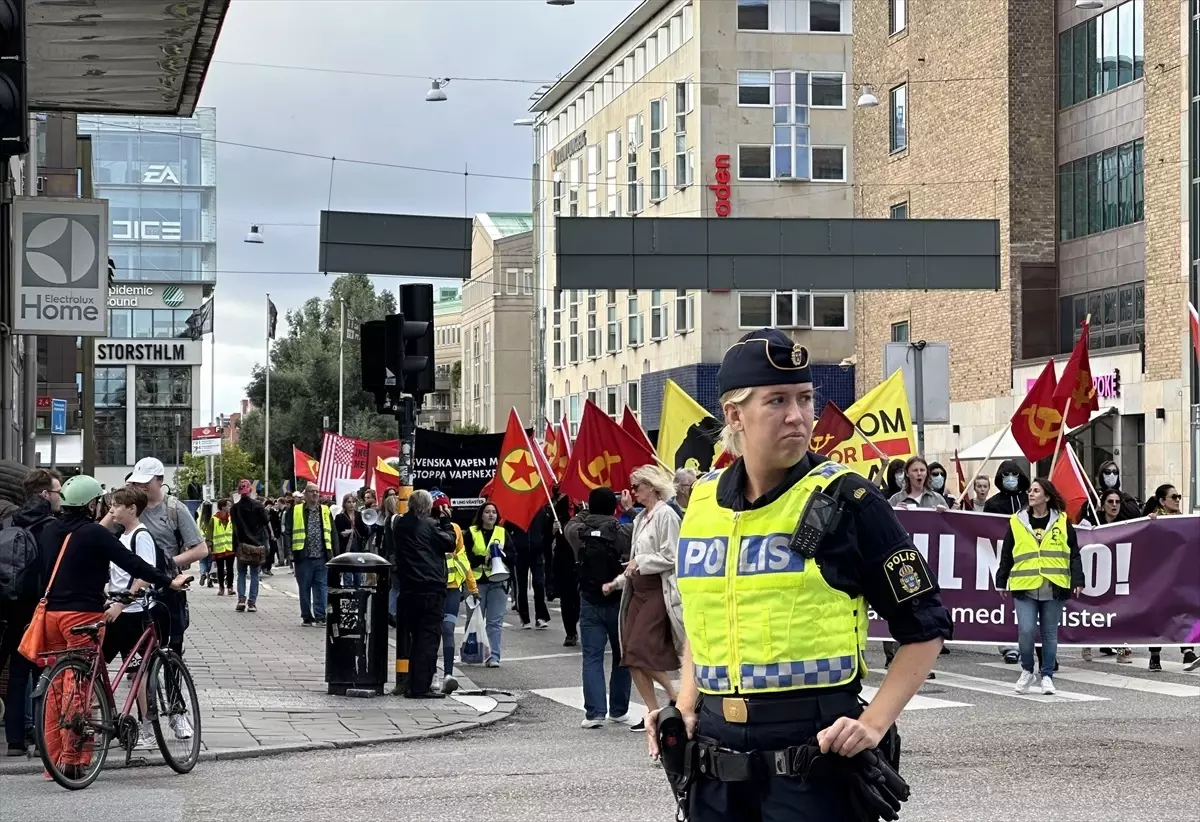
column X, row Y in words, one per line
column 365, row 118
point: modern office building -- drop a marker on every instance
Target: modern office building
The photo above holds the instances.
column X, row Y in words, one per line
column 498, row 322
column 443, row 408
column 1069, row 131
column 722, row 108
column 159, row 176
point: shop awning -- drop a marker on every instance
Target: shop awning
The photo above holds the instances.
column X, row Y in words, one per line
column 120, row 56
column 1007, row 449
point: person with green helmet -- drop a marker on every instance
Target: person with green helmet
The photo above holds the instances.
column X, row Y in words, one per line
column 76, row 552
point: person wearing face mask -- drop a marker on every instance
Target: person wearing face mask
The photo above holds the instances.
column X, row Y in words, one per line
column 937, row 482
column 916, row 494
column 893, row 478
column 1108, row 478
column 1013, row 486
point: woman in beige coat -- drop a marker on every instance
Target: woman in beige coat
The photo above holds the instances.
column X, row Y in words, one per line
column 651, row 615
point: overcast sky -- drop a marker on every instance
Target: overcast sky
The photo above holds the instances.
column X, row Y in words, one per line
column 381, row 119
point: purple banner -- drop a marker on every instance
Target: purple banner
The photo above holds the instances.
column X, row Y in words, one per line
column 1141, row 579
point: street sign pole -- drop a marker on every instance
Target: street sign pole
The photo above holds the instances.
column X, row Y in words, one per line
column 58, row 427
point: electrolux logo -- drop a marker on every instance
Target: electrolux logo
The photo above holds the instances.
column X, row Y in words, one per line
column 60, row 246
column 60, row 252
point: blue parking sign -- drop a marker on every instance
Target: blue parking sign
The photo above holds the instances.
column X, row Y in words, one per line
column 58, row 416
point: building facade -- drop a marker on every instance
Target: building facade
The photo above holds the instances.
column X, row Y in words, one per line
column 726, row 108
column 443, row 408
column 497, row 322
column 159, row 176
column 1069, row 133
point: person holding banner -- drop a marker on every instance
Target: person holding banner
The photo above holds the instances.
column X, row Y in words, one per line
column 779, row 557
column 1041, row 567
column 1167, row 502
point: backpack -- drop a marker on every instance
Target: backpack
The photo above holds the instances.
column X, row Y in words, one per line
column 20, row 562
column 599, row 561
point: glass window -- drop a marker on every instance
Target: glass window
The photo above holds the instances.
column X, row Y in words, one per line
column 900, row 332
column 899, row 130
column 109, row 434
column 165, row 434
column 828, row 90
column 1079, row 223
column 1108, row 168
column 1139, row 49
column 896, row 16
column 1094, row 47
column 1110, row 49
column 164, row 324
column 110, row 388
column 754, row 88
column 164, row 386
column 1102, row 53
column 1079, row 66
column 1066, row 202
column 143, row 323
column 1095, row 195
column 1124, row 43
column 754, row 162
column 825, row 15
column 120, row 323
column 1064, row 68
column 752, row 15
column 828, row 310
column 754, row 310
column 829, row 163
column 899, row 211
column 1125, row 184
column 633, row 395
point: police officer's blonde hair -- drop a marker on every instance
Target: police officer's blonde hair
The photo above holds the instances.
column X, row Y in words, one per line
column 658, row 479
column 731, row 440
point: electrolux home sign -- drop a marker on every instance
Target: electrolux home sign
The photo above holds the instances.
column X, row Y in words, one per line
column 60, row 282
column 166, row 352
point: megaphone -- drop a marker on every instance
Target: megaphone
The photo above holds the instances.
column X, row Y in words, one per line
column 370, row 516
column 497, row 571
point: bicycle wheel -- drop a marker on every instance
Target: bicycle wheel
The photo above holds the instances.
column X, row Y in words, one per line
column 172, row 696
column 76, row 725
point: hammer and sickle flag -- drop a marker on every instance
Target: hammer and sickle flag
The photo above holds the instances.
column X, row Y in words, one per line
column 604, row 455
column 523, row 476
column 1036, row 423
column 1075, row 391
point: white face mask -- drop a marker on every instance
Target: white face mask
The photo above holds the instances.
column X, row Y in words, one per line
column 937, row 481
column 899, row 478
column 1111, row 480
column 1010, row 483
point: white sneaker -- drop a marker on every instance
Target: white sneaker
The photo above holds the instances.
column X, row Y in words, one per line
column 543, row 624
column 181, row 726
column 449, row 685
column 525, row 626
column 1047, row 685
column 1023, row 683
column 492, row 662
column 591, row 724
column 623, row 719
column 1087, row 655
column 146, row 736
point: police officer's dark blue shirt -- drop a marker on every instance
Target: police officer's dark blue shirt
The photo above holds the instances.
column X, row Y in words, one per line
column 854, row 557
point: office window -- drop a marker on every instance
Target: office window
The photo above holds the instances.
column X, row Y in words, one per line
column 120, row 323
column 792, row 309
column 164, row 412
column 752, row 15
column 896, row 16
column 556, row 410
column 900, row 332
column 512, row 281
column 575, row 336
column 792, row 155
column 825, row 15
column 612, row 160
column 829, row 163
column 1118, row 317
column 755, row 310
column 557, row 193
column 613, row 324
column 1101, row 192
column 676, row 32
column 685, row 304
column 593, row 327
column 899, row 119
column 688, row 23
column 658, row 315
column 1102, row 53
column 612, row 401
column 754, row 88
column 527, row 281
column 664, row 43
column 754, row 162
column 110, row 389
column 827, row 90
column 899, row 211
column 636, row 336
column 633, row 396
column 593, row 181
column 658, row 166
column 829, row 311
column 574, row 180
column 685, row 169
column 633, row 183
column 109, row 436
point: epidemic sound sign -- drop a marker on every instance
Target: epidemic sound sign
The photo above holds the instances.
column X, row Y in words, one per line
column 573, row 147
column 721, row 187
column 148, row 353
column 144, row 296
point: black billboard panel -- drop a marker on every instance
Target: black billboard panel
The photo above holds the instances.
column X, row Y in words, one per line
column 395, row 245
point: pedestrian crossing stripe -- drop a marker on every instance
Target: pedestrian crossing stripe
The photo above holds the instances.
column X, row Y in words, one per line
column 1143, row 662
column 573, row 698
column 997, row 688
column 918, row 702
column 1111, row 680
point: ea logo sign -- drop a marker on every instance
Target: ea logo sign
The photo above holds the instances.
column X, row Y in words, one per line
column 158, row 173
column 61, row 251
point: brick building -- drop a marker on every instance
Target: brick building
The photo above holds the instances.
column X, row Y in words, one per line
column 1066, row 125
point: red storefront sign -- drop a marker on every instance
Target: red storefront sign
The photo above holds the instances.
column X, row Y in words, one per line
column 723, row 207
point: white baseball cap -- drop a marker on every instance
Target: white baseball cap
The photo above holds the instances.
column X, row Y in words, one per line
column 147, row 469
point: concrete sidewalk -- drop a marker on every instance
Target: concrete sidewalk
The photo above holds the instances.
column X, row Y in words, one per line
column 261, row 684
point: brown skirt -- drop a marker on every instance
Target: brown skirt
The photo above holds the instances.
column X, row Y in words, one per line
column 646, row 639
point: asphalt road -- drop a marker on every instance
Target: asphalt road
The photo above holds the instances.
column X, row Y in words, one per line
column 1115, row 744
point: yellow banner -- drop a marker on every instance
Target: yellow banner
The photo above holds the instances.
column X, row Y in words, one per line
column 687, row 434
column 883, row 415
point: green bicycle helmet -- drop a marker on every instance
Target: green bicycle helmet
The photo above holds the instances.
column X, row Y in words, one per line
column 79, row 490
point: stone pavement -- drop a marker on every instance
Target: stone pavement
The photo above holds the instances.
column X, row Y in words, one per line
column 261, row 683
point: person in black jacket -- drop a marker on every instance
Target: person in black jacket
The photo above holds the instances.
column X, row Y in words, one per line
column 422, row 544
column 1108, row 478
column 250, row 527
column 1012, row 490
column 549, row 526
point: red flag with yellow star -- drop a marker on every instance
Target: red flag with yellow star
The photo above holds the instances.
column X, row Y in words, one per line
column 1037, row 421
column 523, row 477
column 604, row 454
column 1075, row 392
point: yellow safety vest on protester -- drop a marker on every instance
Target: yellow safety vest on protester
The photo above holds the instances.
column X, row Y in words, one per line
column 458, row 569
column 300, row 528
column 479, row 549
column 222, row 538
column 1034, row 561
column 759, row 616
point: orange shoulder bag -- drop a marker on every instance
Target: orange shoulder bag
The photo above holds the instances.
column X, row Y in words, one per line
column 33, row 643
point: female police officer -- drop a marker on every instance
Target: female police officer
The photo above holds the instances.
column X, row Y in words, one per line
column 775, row 606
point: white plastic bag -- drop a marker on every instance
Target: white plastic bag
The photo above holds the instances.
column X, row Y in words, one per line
column 475, row 648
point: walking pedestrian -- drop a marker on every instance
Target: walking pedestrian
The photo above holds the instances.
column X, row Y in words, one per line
column 602, row 546
column 1041, row 566
column 422, row 545
column 651, row 616
column 549, row 523
column 251, row 528
column 1012, row 486
column 458, row 577
column 487, row 539
column 309, row 531
column 222, row 547
column 204, row 523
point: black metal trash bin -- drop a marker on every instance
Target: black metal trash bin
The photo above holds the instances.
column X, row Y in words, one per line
column 356, row 629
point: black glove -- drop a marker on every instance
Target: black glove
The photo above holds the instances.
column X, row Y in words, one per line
column 874, row 789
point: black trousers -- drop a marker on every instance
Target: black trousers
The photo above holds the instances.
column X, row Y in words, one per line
column 566, row 582
column 773, row 799
column 420, row 614
column 538, row 572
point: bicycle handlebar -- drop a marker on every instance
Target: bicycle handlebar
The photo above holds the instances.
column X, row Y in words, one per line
column 146, row 596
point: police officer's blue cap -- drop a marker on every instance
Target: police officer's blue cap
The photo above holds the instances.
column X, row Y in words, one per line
column 763, row 357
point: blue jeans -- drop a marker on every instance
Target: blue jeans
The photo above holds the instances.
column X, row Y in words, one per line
column 241, row 583
column 393, row 599
column 449, row 620
column 1031, row 612
column 493, row 600
column 597, row 627
column 18, row 707
column 206, row 565
column 312, row 577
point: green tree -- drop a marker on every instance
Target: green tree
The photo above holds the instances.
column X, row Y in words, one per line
column 232, row 465
column 304, row 378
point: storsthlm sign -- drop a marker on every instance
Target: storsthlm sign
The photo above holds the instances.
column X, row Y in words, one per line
column 167, row 352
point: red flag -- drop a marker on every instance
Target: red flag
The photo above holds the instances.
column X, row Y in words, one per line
column 488, row 487
column 556, row 451
column 1194, row 321
column 304, row 466
column 1070, row 482
column 831, row 430
column 564, row 428
column 634, row 428
column 1075, row 391
column 522, row 482
column 962, row 477
column 382, row 470
column 1036, row 423
column 724, row 460
column 604, row 455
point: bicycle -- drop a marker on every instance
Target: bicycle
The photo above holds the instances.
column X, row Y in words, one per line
column 84, row 738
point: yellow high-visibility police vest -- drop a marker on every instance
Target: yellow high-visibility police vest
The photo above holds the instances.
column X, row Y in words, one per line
column 480, row 549
column 222, row 537
column 1034, row 561
column 759, row 616
column 300, row 528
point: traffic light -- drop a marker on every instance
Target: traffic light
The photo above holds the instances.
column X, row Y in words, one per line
column 416, row 306
column 14, row 105
column 372, row 345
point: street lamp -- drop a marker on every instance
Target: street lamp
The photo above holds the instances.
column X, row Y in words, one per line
column 867, row 99
column 255, row 236
column 560, row 2
column 1089, row 5
column 435, row 93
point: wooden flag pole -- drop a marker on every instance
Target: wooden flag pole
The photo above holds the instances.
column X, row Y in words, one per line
column 992, row 452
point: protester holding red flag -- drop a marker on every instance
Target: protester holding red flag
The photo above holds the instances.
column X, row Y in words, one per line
column 523, row 479
column 831, row 430
column 1075, row 393
column 1038, row 419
